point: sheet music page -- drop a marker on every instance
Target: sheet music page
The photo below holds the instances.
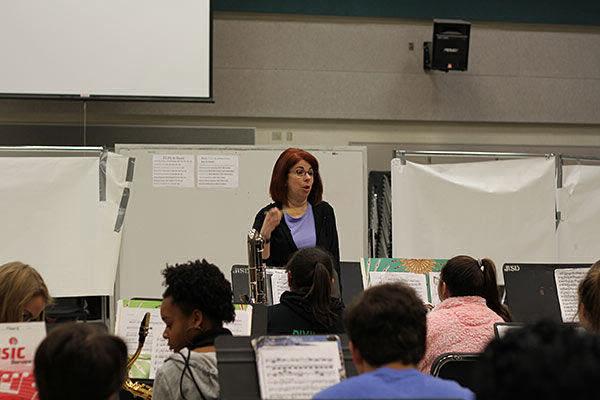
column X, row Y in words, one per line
column 242, row 326
column 434, row 281
column 416, row 281
column 567, row 281
column 155, row 349
column 279, row 282
column 18, row 342
column 297, row 367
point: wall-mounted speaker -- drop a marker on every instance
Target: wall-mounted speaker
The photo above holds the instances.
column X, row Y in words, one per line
column 450, row 47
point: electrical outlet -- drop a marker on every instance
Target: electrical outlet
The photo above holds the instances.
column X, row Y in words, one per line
column 289, row 136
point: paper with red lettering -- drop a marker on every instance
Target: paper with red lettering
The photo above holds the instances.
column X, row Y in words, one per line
column 18, row 343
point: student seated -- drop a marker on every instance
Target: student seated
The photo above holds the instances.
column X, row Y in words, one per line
column 387, row 331
column 308, row 308
column 589, row 299
column 542, row 361
column 197, row 301
column 23, row 293
column 464, row 321
column 77, row 361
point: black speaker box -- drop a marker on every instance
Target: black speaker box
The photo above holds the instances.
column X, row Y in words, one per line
column 450, row 45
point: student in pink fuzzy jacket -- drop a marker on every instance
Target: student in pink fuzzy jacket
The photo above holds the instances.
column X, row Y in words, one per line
column 464, row 321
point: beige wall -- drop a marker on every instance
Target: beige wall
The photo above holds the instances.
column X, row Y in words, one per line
column 334, row 81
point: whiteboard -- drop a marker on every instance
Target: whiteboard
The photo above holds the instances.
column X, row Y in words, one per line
column 503, row 210
column 111, row 48
column 168, row 224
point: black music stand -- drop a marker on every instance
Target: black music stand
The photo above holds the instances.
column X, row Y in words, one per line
column 531, row 290
column 241, row 287
column 351, row 281
column 259, row 320
column 236, row 363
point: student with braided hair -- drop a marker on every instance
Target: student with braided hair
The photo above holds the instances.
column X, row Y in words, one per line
column 308, row 308
column 464, row 321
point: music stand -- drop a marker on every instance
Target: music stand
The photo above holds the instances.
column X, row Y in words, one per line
column 259, row 320
column 236, row 363
column 241, row 287
column 351, row 280
column 531, row 290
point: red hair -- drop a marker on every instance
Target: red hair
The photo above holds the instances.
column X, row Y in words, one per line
column 281, row 169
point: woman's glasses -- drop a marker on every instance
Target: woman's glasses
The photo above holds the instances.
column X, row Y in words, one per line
column 301, row 172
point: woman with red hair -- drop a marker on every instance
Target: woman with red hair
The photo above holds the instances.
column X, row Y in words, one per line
column 299, row 217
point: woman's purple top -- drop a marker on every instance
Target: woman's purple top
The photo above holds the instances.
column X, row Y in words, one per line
column 303, row 228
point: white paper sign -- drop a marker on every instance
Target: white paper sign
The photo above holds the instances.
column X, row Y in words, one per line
column 173, row 170
column 18, row 342
column 567, row 281
column 218, row 171
column 415, row 281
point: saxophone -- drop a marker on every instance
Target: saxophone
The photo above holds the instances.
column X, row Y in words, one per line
column 138, row 389
column 257, row 271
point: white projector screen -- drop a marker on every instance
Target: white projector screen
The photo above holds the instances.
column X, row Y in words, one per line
column 53, row 219
column 503, row 210
column 133, row 49
column 578, row 233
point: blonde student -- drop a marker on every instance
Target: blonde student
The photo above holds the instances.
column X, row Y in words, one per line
column 23, row 293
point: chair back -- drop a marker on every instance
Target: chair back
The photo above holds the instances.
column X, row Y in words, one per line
column 459, row 367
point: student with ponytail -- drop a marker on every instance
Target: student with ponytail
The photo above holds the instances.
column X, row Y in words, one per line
column 308, row 308
column 464, row 321
column 589, row 299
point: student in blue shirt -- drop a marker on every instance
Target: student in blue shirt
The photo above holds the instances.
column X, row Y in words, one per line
column 387, row 331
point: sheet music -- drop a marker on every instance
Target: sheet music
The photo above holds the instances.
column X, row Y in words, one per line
column 299, row 368
column 416, row 281
column 242, row 326
column 156, row 348
column 567, row 281
column 434, row 281
column 279, row 282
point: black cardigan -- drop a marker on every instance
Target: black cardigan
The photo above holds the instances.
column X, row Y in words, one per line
column 282, row 243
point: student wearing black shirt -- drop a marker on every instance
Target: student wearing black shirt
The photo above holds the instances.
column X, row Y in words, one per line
column 308, row 308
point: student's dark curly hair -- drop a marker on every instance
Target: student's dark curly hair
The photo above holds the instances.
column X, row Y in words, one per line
column 202, row 286
column 542, row 361
column 387, row 323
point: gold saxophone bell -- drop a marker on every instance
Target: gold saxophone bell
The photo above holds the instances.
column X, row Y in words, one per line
column 257, row 271
column 138, row 389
